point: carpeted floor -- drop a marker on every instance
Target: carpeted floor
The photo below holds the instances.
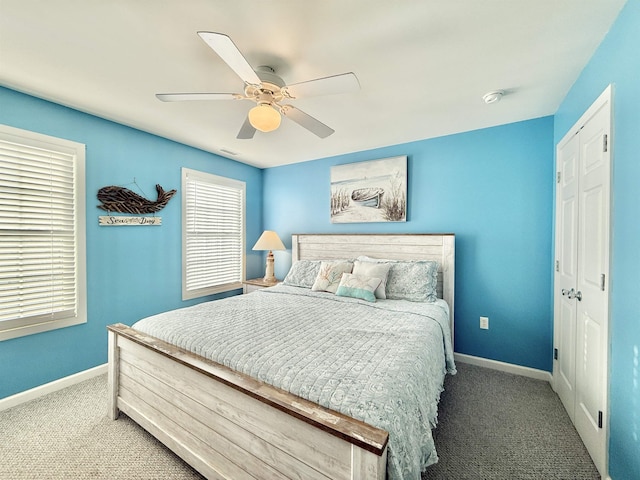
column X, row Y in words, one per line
column 67, row 435
column 492, row 425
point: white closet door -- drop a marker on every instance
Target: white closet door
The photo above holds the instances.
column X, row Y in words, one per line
column 593, row 269
column 581, row 303
column 566, row 272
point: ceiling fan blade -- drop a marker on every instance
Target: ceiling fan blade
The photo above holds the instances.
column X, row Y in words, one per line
column 247, row 131
column 307, row 121
column 183, row 97
column 343, row 83
column 227, row 50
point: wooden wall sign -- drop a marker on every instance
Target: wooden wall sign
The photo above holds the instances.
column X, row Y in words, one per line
column 112, row 221
column 122, row 200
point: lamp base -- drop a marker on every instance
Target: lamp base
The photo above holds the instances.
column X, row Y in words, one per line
column 269, row 276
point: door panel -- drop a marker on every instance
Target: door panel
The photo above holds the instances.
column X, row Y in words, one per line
column 592, row 261
column 567, row 358
column 589, row 392
column 589, row 396
column 569, row 237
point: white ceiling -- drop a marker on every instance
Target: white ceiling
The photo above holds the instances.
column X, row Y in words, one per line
column 423, row 65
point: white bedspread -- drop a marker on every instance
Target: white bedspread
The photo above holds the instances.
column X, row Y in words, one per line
column 383, row 362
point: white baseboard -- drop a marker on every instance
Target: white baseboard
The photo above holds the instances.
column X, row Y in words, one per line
column 51, row 387
column 504, row 367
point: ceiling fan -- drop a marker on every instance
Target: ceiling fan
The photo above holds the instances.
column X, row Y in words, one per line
column 268, row 91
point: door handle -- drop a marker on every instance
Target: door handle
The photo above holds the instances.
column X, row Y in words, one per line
column 572, row 294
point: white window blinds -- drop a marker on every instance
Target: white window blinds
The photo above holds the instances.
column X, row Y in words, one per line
column 39, row 280
column 213, row 233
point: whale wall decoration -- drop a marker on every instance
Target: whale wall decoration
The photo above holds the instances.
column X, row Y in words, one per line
column 123, row 200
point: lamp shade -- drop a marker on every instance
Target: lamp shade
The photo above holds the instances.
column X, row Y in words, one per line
column 264, row 118
column 269, row 240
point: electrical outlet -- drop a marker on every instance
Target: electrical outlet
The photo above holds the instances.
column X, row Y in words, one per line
column 484, row 323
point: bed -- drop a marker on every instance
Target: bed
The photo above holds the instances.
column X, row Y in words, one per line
column 227, row 420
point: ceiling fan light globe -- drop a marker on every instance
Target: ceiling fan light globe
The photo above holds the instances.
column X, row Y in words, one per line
column 264, row 118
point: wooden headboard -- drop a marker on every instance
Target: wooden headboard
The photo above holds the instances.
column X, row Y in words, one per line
column 438, row 247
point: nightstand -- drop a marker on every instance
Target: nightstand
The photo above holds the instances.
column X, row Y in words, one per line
column 254, row 284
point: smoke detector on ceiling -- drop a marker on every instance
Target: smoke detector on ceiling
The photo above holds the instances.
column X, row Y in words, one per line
column 493, row 96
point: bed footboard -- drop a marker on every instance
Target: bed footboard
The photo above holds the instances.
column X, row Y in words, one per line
column 230, row 426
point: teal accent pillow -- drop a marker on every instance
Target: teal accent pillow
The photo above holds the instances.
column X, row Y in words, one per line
column 375, row 270
column 358, row 286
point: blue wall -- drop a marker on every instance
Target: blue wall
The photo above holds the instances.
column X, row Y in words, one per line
column 493, row 188
column 132, row 272
column 617, row 62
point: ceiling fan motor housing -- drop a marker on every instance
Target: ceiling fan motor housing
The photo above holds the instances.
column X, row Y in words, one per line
column 268, row 75
column 269, row 91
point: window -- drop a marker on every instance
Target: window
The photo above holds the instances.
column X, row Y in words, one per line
column 42, row 233
column 212, row 234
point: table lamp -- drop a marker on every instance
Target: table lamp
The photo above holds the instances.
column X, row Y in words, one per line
column 269, row 240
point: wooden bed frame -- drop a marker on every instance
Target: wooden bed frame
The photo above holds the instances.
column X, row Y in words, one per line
column 228, row 425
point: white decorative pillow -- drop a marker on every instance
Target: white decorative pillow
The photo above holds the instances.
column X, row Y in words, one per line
column 329, row 276
column 358, row 286
column 376, row 270
column 303, row 273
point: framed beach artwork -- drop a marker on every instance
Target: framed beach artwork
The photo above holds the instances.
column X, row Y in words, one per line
column 373, row 191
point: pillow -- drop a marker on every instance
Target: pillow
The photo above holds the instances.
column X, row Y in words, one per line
column 358, row 286
column 376, row 270
column 302, row 273
column 329, row 276
column 415, row 281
